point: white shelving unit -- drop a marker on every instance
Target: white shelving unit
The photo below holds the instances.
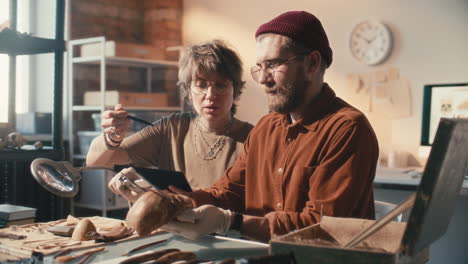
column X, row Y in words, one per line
column 94, row 191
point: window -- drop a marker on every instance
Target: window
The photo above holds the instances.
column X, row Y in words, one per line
column 22, row 63
column 4, row 9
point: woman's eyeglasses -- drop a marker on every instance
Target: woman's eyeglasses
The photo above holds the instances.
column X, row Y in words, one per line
column 217, row 88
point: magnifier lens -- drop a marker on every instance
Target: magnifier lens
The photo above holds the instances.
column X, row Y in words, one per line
column 55, row 178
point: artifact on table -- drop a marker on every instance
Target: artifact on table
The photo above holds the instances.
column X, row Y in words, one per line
column 148, row 256
column 83, row 230
column 152, row 210
column 89, row 252
column 66, row 231
column 143, row 247
column 176, row 256
column 38, row 145
column 11, row 236
column 116, row 233
column 16, row 140
column 71, row 220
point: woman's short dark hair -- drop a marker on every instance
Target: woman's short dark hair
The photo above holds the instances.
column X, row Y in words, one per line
column 213, row 57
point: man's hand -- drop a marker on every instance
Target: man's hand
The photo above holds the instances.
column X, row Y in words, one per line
column 200, row 221
column 118, row 186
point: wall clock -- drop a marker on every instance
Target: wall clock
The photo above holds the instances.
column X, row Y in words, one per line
column 371, row 42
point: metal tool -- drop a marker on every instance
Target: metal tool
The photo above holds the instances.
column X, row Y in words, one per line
column 134, row 118
column 143, row 247
column 86, row 253
column 140, row 185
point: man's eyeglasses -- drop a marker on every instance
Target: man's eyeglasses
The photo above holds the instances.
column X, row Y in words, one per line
column 271, row 66
column 217, row 88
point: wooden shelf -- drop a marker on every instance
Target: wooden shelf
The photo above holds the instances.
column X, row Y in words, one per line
column 130, row 108
column 16, row 43
column 38, row 137
column 29, row 155
column 96, row 195
column 124, row 61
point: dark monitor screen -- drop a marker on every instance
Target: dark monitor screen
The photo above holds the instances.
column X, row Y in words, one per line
column 161, row 178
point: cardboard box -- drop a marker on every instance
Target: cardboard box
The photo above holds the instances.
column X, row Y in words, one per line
column 432, row 207
column 322, row 243
column 126, row 50
column 127, row 99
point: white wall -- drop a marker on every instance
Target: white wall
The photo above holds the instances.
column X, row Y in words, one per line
column 430, row 39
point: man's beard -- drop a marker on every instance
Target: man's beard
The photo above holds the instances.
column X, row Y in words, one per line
column 288, row 97
column 284, row 100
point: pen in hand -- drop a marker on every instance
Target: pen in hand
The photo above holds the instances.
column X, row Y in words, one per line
column 134, row 118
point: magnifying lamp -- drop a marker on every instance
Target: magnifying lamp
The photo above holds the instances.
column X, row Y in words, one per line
column 61, row 178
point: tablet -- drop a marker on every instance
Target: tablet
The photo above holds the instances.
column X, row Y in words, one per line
column 160, row 178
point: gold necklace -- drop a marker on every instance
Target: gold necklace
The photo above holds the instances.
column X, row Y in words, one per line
column 214, row 149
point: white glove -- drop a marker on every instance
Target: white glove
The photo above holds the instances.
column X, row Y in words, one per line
column 118, row 186
column 197, row 222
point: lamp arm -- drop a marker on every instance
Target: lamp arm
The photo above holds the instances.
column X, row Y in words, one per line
column 96, row 168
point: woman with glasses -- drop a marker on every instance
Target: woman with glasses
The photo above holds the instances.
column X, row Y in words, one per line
column 203, row 143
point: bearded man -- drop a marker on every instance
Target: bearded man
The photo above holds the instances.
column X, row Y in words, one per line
column 312, row 155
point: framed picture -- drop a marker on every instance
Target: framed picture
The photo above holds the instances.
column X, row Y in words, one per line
column 442, row 100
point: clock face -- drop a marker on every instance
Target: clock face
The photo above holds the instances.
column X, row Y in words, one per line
column 371, row 42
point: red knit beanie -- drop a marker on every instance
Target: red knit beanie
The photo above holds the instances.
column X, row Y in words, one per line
column 303, row 27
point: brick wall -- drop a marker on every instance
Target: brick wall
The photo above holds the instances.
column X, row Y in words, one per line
column 152, row 22
column 118, row 20
column 163, row 24
column 155, row 22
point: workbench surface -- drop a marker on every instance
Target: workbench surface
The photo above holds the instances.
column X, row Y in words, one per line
column 206, row 248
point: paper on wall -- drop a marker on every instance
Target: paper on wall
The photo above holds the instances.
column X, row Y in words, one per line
column 360, row 85
column 393, row 73
column 381, row 91
column 397, row 98
column 380, row 76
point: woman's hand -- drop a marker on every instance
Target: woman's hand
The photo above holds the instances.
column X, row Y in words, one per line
column 115, row 123
column 118, row 185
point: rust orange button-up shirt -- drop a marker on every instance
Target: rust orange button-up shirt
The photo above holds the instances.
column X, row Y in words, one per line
column 292, row 174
